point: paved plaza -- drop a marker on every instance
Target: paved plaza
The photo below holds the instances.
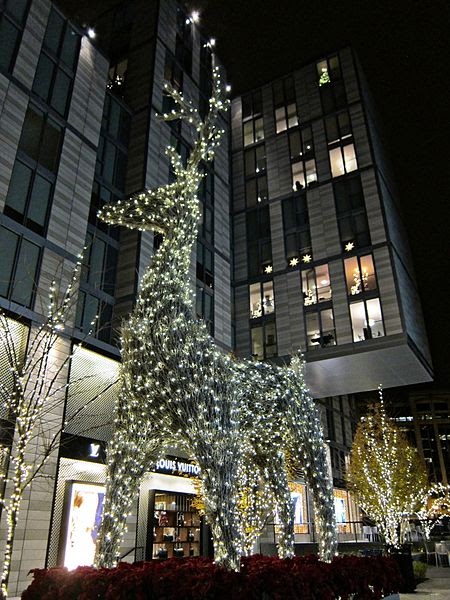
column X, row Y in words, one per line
column 436, row 586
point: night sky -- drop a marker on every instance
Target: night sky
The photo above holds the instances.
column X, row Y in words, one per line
column 404, row 48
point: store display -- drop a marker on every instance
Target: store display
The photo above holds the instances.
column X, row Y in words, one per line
column 176, row 526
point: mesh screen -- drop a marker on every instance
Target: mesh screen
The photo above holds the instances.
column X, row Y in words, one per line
column 90, row 375
column 69, row 470
column 17, row 333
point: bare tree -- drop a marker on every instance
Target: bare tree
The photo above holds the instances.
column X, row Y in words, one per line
column 32, row 394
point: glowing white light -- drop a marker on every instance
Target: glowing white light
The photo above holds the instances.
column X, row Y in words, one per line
column 195, row 16
column 91, row 33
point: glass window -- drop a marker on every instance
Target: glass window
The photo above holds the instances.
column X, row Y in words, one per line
column 257, row 343
column 360, row 274
column 18, row 262
column 338, row 127
column 253, row 125
column 259, row 243
column 8, row 247
column 261, row 299
column 264, row 341
column 348, row 194
column 367, row 320
column 320, row 331
column 328, row 70
column 12, row 20
column 316, row 285
column 342, row 160
column 303, row 174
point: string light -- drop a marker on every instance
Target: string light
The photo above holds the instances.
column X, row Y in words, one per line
column 236, row 419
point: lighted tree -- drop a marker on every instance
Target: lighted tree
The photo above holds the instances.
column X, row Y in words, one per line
column 386, row 473
column 436, row 505
column 32, row 395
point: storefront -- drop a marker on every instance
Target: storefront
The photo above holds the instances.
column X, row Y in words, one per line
column 165, row 520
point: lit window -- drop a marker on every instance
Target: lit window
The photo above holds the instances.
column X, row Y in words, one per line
column 316, row 285
column 342, row 160
column 367, row 320
column 360, row 274
column 262, row 301
column 328, row 70
column 303, row 174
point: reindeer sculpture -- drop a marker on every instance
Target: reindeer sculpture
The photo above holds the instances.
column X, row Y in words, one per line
column 177, row 387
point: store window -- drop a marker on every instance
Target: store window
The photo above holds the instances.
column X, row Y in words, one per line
column 367, row 319
column 57, row 63
column 360, row 274
column 297, row 236
column 264, row 340
column 320, row 330
column 262, row 302
column 316, row 285
column 252, row 118
column 284, row 104
column 259, row 244
column 19, row 262
column 13, row 15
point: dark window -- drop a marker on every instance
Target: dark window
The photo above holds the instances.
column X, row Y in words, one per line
column 41, row 139
column 19, row 259
column 256, row 190
column 297, row 237
column 259, row 242
column 206, row 197
column 57, row 63
column 264, row 340
column 205, row 78
column 205, row 307
column 320, row 331
column 12, row 20
column 284, row 104
column 205, row 286
column 252, row 118
column 205, row 267
column 351, row 213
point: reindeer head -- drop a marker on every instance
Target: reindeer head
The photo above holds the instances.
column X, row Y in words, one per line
column 159, row 209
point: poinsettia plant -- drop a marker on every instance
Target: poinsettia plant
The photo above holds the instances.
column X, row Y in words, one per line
column 260, row 578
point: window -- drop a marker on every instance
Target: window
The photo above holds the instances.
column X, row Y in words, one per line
column 256, row 190
column 205, row 307
column 173, row 72
column 31, row 185
column 338, row 128
column 29, row 197
column 360, row 274
column 19, row 259
column 100, row 264
column 297, row 237
column 284, row 103
column 252, row 118
column 205, row 83
column 351, row 213
column 94, row 317
column 12, row 20
column 206, row 197
column 262, row 301
column 205, row 269
column 367, row 319
column 331, row 85
column 259, row 242
column 264, row 341
column 303, row 174
column 41, row 139
column 320, row 332
column 316, row 285
column 57, row 63
column 117, row 76
column 342, row 160
column 255, row 161
column 183, row 42
column 303, row 166
column 301, row 143
column 205, row 286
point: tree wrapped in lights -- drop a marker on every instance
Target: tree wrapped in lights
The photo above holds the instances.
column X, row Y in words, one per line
column 436, row 505
column 32, row 394
column 234, row 418
column 386, row 473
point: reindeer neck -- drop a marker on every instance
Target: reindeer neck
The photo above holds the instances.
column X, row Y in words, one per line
column 167, row 277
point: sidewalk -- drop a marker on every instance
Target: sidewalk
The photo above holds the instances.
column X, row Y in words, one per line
column 436, row 586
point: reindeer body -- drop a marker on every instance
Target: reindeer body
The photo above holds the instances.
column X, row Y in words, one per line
column 177, row 387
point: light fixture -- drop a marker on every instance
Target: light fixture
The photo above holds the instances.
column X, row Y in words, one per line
column 324, row 282
column 212, row 42
column 90, row 32
column 228, row 88
column 195, row 16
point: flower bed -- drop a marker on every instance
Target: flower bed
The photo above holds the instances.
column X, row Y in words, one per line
column 260, row 578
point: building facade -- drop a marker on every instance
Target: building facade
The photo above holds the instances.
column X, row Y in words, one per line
column 308, row 255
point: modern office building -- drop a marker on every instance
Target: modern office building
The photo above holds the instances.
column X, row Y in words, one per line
column 309, row 254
